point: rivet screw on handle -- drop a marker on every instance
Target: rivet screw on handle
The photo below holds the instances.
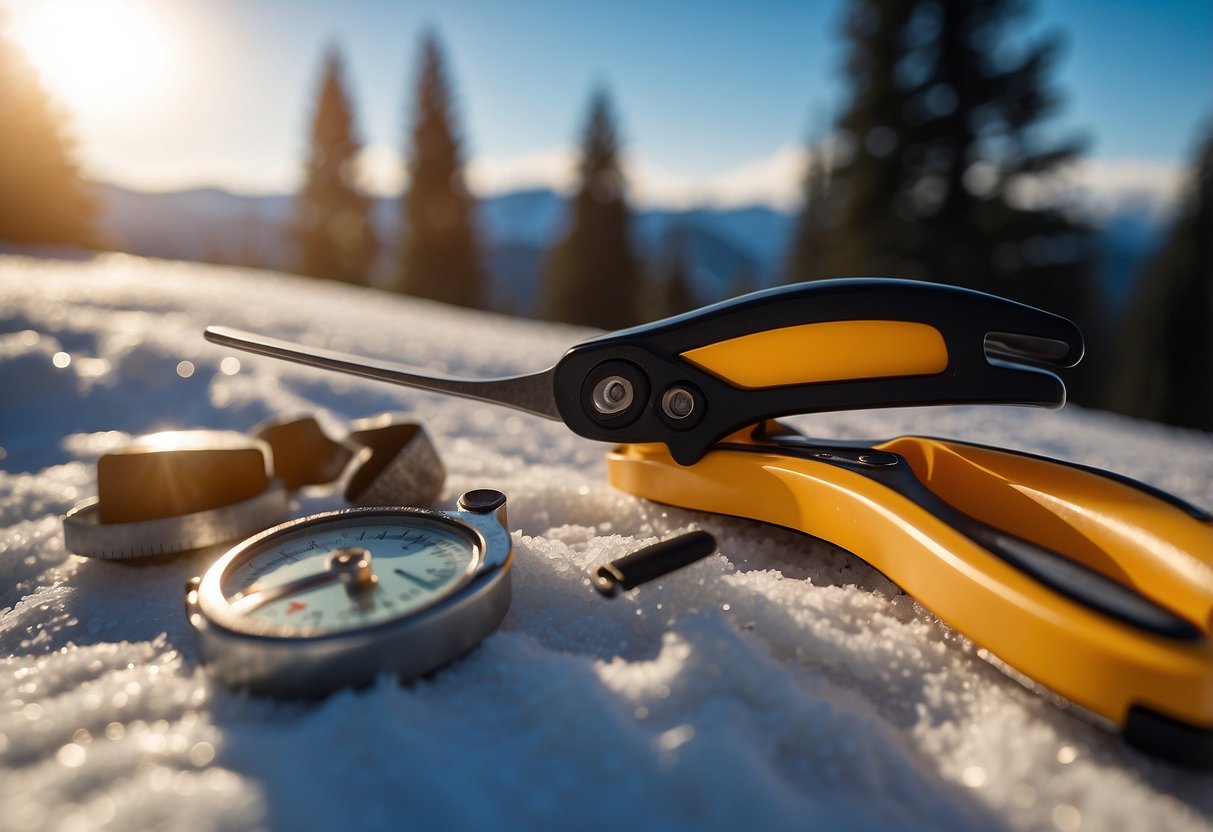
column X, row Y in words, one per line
column 612, row 395
column 678, row 403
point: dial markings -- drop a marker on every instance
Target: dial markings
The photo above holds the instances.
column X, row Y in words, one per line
column 421, row 582
column 292, row 584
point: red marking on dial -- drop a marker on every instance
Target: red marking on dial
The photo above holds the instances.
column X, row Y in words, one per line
column 295, row 606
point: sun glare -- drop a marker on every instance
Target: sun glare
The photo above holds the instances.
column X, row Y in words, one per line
column 96, row 55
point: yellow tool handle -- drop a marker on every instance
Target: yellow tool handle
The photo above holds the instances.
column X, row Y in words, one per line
column 1136, row 535
column 1103, row 663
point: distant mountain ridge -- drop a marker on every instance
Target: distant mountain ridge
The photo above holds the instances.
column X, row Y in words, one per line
column 516, row 229
column 722, row 246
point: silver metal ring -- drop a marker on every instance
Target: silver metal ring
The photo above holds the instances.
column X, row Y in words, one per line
column 85, row 536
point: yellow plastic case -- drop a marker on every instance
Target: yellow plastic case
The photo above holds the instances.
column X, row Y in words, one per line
column 1154, row 680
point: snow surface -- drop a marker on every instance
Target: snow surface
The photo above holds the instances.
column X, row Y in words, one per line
column 779, row 684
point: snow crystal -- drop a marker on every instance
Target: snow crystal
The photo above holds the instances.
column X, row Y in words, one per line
column 779, row 684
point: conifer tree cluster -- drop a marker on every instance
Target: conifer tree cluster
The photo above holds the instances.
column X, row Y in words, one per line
column 811, row 232
column 332, row 227
column 440, row 258
column 673, row 280
column 1165, row 368
column 43, row 199
column 939, row 168
column 592, row 276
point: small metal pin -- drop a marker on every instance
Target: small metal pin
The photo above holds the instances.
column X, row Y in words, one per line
column 651, row 562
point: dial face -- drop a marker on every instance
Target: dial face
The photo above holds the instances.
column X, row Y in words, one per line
column 348, row 573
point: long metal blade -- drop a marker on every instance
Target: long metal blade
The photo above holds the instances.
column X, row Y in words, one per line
column 532, row 393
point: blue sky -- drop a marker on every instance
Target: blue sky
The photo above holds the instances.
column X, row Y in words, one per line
column 714, row 97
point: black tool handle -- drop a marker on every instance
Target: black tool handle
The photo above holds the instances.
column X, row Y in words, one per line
column 642, row 384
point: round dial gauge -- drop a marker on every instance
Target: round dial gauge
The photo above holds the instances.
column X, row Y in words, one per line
column 338, row 598
column 349, row 572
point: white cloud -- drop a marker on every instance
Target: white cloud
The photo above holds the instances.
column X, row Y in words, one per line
column 772, row 180
column 554, row 168
column 1115, row 184
column 170, row 175
column 381, row 170
column 1105, row 185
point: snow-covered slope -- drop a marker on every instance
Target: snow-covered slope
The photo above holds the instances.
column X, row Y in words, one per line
column 781, row 684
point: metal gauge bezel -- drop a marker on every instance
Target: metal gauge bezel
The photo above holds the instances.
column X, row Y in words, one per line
column 214, row 601
column 286, row 660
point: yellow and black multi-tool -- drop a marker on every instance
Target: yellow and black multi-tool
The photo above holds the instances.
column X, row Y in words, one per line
column 1092, row 586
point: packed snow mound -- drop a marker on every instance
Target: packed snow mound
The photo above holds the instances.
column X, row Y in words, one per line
column 779, row 684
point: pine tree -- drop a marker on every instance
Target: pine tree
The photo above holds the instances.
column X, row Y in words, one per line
column 591, row 276
column 810, row 235
column 674, row 282
column 1166, row 362
column 942, row 171
column 43, row 199
column 332, row 226
column 440, row 258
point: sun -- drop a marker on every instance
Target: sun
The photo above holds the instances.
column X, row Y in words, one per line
column 102, row 56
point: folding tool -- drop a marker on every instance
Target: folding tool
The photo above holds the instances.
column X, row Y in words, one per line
column 1094, row 587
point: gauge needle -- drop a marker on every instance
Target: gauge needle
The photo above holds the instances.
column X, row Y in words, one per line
column 421, row 582
column 351, row 565
column 253, row 598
